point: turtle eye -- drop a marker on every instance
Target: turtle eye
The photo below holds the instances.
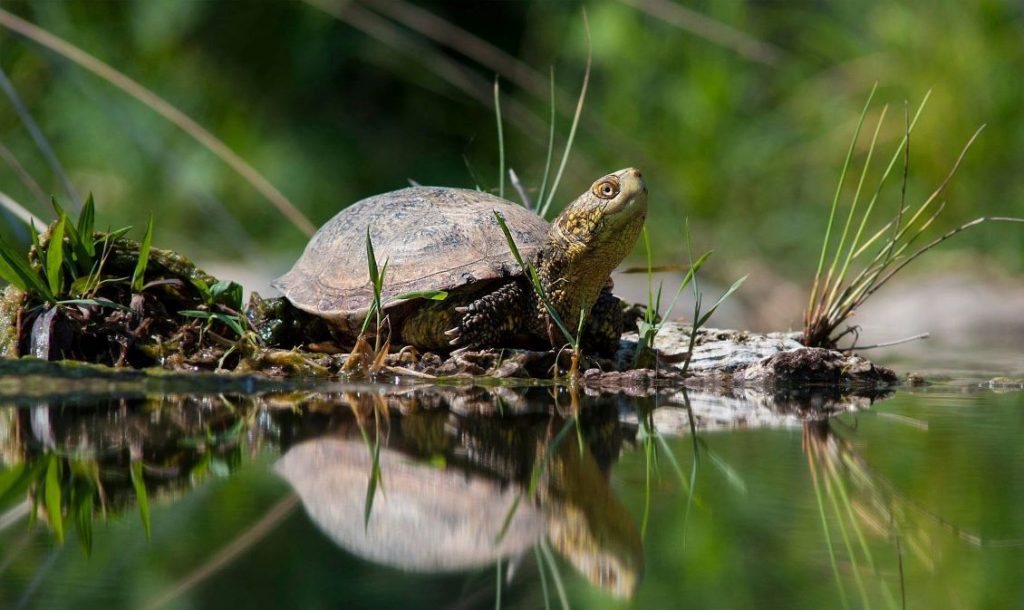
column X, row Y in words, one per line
column 606, row 189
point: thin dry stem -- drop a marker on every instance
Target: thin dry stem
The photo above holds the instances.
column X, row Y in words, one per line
column 715, row 31
column 164, row 109
column 26, row 178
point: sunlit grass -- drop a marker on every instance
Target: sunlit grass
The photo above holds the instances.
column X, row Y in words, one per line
column 834, row 298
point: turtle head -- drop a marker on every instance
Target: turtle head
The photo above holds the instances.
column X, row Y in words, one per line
column 601, row 226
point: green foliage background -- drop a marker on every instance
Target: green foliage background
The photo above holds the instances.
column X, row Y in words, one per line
column 333, row 101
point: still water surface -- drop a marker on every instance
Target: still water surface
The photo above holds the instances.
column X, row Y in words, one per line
column 488, row 498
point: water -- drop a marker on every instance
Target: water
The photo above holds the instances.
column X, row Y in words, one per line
column 503, row 497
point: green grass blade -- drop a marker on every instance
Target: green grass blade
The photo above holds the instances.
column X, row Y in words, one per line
column 555, row 576
column 432, row 295
column 87, row 225
column 838, row 279
column 735, row 286
column 195, row 313
column 371, row 260
column 78, row 249
column 231, row 322
column 507, row 521
column 835, row 198
column 100, row 302
column 531, row 273
column 551, row 145
column 508, row 238
column 81, row 507
column 543, row 576
column 501, row 140
column 690, row 274
column 575, row 123
column 227, row 293
column 52, row 497
column 139, row 484
column 7, row 269
column 138, row 277
column 55, row 257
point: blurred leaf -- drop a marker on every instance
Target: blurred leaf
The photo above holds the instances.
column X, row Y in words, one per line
column 227, row 293
column 84, row 284
column 11, row 480
column 86, row 226
column 52, row 494
column 219, row 467
column 138, row 278
column 55, row 257
column 141, row 496
column 98, row 302
column 433, row 295
column 82, row 510
column 232, row 322
column 204, row 290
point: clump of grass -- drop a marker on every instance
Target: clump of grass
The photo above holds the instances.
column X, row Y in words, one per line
column 122, row 302
column 835, row 295
column 646, row 356
column 649, row 327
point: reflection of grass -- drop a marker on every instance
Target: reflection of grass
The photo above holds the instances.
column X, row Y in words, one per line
column 378, row 406
column 853, row 500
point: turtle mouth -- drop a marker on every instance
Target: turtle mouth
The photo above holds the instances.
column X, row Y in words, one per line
column 632, row 192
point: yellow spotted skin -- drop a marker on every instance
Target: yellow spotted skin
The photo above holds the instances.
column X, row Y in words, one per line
column 587, row 241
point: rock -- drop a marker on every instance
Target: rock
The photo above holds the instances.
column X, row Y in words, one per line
column 815, row 365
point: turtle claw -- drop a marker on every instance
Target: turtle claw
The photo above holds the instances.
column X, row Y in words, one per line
column 460, row 351
column 462, row 309
column 455, row 334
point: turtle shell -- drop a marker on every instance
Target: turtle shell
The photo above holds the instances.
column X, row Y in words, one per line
column 433, row 238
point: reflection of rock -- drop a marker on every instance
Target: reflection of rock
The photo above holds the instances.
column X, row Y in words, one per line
column 732, row 408
column 423, row 519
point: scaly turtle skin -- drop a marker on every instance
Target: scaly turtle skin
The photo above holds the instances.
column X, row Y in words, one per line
column 448, row 239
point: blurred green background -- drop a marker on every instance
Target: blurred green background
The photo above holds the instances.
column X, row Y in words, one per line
column 739, row 113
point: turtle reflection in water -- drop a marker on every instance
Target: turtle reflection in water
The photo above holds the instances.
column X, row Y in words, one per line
column 448, row 239
column 454, row 519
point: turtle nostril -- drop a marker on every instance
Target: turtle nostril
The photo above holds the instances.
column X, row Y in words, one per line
column 636, row 173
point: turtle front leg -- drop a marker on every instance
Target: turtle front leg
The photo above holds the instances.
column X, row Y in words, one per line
column 604, row 325
column 492, row 319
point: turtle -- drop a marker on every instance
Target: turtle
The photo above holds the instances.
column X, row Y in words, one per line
column 449, row 239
